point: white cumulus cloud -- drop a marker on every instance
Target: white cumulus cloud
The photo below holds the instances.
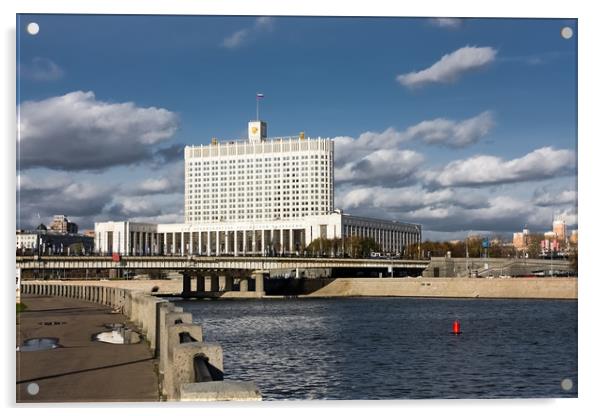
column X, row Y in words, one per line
column 542, row 163
column 450, row 66
column 239, row 37
column 405, row 198
column 391, row 166
column 453, row 133
column 439, row 131
column 545, row 197
column 76, row 131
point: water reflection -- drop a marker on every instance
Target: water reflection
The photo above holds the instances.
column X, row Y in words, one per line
column 119, row 334
column 38, row 344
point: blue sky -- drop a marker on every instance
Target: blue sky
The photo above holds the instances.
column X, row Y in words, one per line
column 473, row 119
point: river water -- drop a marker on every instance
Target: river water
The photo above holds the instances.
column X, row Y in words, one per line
column 395, row 348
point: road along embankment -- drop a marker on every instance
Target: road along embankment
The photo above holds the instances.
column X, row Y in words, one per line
column 512, row 288
column 190, row 369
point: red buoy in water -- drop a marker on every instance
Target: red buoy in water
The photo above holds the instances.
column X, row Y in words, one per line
column 456, row 328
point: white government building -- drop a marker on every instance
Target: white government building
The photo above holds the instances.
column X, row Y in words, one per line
column 254, row 197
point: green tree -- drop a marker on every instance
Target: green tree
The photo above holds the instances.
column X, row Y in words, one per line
column 533, row 245
column 355, row 247
column 76, row 248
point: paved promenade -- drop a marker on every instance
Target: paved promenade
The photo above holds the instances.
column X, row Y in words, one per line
column 81, row 370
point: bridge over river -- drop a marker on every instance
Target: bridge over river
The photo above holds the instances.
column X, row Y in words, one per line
column 218, row 275
column 245, row 276
column 224, row 263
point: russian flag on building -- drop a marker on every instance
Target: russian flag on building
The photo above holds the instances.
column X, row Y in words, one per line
column 259, row 96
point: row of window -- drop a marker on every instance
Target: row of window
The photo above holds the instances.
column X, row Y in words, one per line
column 250, row 160
column 263, row 166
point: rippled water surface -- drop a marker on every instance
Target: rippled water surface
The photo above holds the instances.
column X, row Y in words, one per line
column 395, row 348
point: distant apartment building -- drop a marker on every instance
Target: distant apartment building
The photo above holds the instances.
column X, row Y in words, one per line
column 88, row 233
column 520, row 241
column 559, row 228
column 574, row 238
column 61, row 224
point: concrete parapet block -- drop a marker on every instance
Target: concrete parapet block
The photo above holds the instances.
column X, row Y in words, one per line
column 220, row 391
column 170, row 338
column 174, row 331
column 182, row 365
column 144, row 313
column 151, row 319
column 127, row 303
column 168, row 317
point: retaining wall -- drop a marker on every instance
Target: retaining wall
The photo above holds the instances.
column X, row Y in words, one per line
column 513, row 288
column 173, row 338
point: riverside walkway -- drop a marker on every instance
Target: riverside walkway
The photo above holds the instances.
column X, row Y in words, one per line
column 80, row 370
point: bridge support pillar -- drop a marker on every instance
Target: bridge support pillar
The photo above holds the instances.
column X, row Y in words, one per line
column 214, row 284
column 258, row 276
column 244, row 284
column 186, row 284
column 200, row 284
column 207, row 284
column 225, row 283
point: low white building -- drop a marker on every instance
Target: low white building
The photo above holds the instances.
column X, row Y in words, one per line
column 249, row 238
column 258, row 196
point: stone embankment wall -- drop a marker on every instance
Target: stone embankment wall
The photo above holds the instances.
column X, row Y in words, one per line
column 492, row 267
column 513, row 288
column 172, row 336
